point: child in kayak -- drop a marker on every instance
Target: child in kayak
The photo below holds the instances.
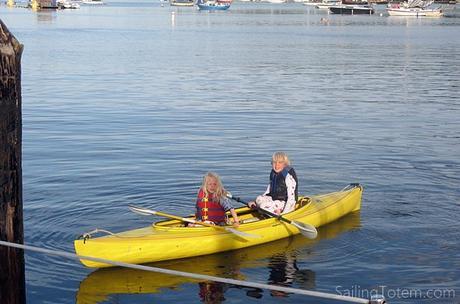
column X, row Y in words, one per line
column 212, row 203
column 281, row 194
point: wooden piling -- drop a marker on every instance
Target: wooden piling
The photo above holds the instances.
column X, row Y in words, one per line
column 12, row 273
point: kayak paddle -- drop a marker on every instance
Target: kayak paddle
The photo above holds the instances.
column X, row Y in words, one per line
column 306, row 230
column 145, row 211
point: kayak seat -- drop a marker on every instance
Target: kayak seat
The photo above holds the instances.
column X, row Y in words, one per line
column 250, row 220
column 302, row 202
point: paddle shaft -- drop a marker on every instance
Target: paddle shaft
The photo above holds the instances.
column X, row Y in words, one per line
column 183, row 219
column 306, row 230
column 146, row 211
column 261, row 210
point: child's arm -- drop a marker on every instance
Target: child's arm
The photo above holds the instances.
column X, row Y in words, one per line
column 290, row 202
column 236, row 221
column 227, row 205
column 267, row 191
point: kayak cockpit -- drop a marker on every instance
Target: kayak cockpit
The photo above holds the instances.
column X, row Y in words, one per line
column 245, row 216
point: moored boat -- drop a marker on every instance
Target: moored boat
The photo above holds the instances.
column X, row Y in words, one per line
column 93, row 2
column 352, row 9
column 414, row 8
column 213, row 5
column 66, row 4
column 311, row 2
column 44, row 4
column 325, row 4
column 171, row 239
column 414, row 12
column 181, row 2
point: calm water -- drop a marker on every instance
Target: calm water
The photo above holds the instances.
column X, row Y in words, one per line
column 125, row 104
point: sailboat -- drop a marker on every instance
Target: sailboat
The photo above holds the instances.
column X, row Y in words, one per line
column 414, row 8
column 213, row 5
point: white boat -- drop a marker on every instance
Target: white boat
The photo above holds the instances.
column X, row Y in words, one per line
column 276, row 1
column 311, row 2
column 325, row 4
column 93, row 2
column 414, row 8
column 213, row 5
column 189, row 3
column 415, row 12
column 66, row 4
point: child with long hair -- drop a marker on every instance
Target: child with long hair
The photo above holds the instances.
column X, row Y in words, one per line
column 212, row 203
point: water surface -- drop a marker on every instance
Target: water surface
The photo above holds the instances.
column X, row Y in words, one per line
column 124, row 104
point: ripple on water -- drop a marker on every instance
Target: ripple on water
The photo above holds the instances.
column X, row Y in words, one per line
column 98, row 135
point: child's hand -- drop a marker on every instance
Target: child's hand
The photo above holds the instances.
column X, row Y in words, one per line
column 236, row 224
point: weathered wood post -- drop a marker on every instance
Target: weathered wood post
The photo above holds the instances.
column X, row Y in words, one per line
column 12, row 273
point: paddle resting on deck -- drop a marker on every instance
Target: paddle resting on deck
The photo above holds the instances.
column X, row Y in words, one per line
column 306, row 230
column 145, row 211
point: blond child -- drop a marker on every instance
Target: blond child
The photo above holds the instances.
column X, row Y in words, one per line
column 281, row 194
column 212, row 203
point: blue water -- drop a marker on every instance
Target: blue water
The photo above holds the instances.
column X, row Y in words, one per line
column 125, row 104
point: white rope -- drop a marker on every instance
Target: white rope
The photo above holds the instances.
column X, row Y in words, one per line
column 189, row 275
column 87, row 235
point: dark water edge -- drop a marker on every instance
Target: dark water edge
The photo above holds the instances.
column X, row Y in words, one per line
column 123, row 105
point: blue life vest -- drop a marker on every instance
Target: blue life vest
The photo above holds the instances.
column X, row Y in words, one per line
column 278, row 188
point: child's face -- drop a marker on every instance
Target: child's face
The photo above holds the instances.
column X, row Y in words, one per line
column 278, row 165
column 211, row 185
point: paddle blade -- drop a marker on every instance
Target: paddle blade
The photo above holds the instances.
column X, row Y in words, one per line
column 141, row 210
column 241, row 233
column 307, row 230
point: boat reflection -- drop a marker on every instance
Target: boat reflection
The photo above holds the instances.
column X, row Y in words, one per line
column 46, row 16
column 279, row 258
column 283, row 271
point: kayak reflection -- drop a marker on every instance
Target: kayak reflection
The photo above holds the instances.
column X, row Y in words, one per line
column 279, row 258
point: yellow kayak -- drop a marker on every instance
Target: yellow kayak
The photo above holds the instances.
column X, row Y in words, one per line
column 99, row 286
column 171, row 239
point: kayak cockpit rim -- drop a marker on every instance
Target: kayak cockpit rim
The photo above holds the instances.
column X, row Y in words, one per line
column 246, row 215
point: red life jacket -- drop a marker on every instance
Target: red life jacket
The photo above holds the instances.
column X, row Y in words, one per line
column 209, row 209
